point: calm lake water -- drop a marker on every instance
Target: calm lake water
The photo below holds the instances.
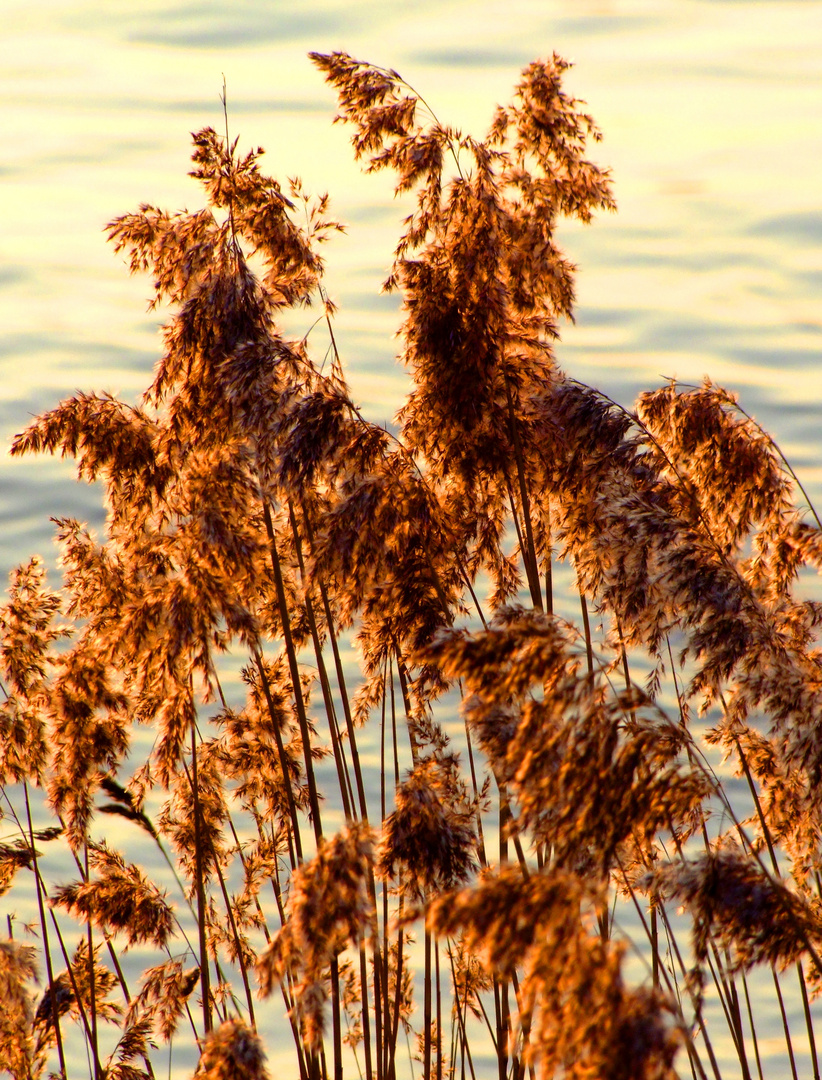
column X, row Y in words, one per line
column 712, row 117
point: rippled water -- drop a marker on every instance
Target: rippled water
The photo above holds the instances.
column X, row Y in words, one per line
column 712, row 116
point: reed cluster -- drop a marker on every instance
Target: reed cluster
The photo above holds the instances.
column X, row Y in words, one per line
column 478, row 911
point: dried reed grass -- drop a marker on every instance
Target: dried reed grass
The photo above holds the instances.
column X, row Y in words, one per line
column 254, row 511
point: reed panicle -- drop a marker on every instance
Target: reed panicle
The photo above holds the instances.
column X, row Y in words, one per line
column 259, row 525
column 329, row 908
column 120, row 899
column 162, row 998
column 18, row 965
column 232, row 1052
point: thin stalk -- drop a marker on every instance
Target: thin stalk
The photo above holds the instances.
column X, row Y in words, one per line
column 624, row 655
column 285, row 985
column 785, row 1025
column 439, row 1006
column 525, row 1030
column 382, row 1009
column 394, row 741
column 806, row 1008
column 548, row 564
column 199, row 883
column 454, row 1050
column 392, row 1025
column 586, row 624
column 730, row 1006
column 512, row 502
column 470, row 587
column 754, row 1039
column 284, row 764
column 407, row 704
column 291, row 654
column 410, row 1056
column 426, row 1008
column 461, row 1018
column 529, row 555
column 383, row 797
column 725, row 987
column 490, row 1027
column 343, row 778
column 366, row 1020
column 695, row 1002
column 92, row 982
column 504, row 1029
column 90, row 1045
column 390, row 1072
column 109, row 944
column 237, row 945
column 336, row 1018
column 509, row 823
column 241, row 856
column 766, row 832
column 349, row 722
column 380, row 990
column 55, row 1016
column 341, row 684
column 480, row 835
column 501, row 986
